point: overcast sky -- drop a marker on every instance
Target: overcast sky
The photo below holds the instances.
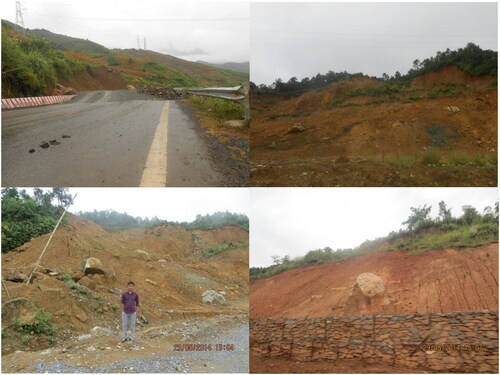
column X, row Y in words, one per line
column 192, row 30
column 293, row 221
column 174, row 204
column 303, row 39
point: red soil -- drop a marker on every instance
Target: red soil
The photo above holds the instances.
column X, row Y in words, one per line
column 436, row 281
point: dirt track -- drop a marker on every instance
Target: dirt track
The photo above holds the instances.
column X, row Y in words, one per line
column 437, row 281
column 152, row 352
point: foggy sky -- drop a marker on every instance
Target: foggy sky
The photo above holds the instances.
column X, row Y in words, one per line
column 210, row 31
column 173, row 204
column 292, row 221
column 303, row 39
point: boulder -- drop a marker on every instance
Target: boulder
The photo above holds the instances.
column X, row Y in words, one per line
column 82, row 317
column 212, row 297
column 13, row 275
column 21, row 308
column 109, row 275
column 370, row 284
column 92, row 266
column 77, row 275
column 131, row 88
column 100, row 331
column 56, row 291
column 89, row 283
column 141, row 254
column 296, row 128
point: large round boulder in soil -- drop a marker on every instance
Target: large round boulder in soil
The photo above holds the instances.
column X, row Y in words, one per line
column 92, row 266
column 212, row 297
column 21, row 309
column 370, row 284
column 141, row 254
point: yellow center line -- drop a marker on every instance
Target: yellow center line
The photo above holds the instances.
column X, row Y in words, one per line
column 155, row 171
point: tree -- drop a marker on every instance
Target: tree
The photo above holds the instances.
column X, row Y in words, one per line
column 276, row 259
column 385, row 76
column 62, row 195
column 444, row 213
column 418, row 219
column 470, row 215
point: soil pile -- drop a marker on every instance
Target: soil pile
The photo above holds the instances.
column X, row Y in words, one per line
column 436, row 281
column 441, row 131
column 171, row 266
column 452, row 73
column 103, row 78
column 164, row 93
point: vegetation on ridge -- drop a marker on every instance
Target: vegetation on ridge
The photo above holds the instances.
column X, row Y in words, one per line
column 422, row 233
column 471, row 59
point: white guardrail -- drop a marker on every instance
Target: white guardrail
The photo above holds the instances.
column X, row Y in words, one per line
column 237, row 94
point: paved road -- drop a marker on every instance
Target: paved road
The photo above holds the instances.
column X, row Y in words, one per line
column 104, row 138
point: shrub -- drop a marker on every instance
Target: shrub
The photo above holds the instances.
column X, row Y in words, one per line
column 432, row 157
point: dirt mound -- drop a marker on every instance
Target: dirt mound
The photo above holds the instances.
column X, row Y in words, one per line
column 365, row 125
column 436, row 281
column 319, row 99
column 164, row 93
column 170, row 266
column 103, row 78
column 452, row 73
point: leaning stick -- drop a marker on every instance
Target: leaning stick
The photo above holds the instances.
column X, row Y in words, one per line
column 6, row 290
column 50, row 238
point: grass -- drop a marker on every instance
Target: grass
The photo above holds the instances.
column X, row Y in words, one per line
column 431, row 158
column 41, row 325
column 220, row 248
column 444, row 92
column 219, row 109
column 94, row 244
column 67, row 277
column 79, row 288
column 405, row 161
column 275, row 116
column 461, row 237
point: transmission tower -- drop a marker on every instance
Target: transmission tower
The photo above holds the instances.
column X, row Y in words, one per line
column 19, row 15
column 145, row 43
column 138, row 42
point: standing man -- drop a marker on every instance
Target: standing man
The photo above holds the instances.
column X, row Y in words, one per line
column 130, row 305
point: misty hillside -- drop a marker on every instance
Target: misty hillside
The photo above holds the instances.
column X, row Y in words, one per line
column 243, row 67
column 34, row 61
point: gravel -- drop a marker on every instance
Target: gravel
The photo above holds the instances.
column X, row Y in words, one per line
column 154, row 364
column 223, row 361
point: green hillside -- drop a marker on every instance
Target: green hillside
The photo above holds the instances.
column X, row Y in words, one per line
column 67, row 43
column 35, row 60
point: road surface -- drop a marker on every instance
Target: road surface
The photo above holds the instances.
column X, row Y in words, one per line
column 104, row 138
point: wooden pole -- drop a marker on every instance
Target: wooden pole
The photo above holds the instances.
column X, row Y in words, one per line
column 50, row 238
column 6, row 290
